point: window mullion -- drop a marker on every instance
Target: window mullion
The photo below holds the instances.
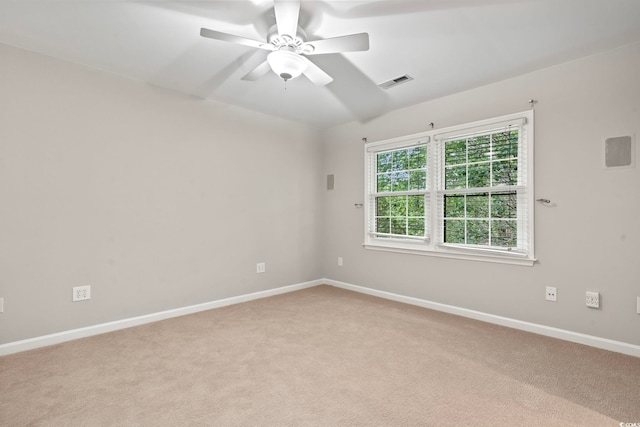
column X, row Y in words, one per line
column 436, row 162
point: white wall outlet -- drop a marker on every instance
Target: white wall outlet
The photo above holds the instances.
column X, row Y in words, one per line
column 81, row 293
column 340, row 261
column 261, row 267
column 593, row 299
column 551, row 294
column 2, row 304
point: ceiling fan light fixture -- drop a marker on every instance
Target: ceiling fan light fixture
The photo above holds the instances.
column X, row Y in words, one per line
column 288, row 65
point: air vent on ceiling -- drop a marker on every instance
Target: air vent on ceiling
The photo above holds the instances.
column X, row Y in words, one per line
column 395, row 82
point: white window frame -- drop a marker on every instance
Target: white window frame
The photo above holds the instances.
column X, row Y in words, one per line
column 406, row 242
column 433, row 244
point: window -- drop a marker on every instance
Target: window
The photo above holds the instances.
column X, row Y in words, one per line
column 399, row 198
column 464, row 192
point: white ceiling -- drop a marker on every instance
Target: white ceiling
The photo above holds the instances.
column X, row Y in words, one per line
column 446, row 45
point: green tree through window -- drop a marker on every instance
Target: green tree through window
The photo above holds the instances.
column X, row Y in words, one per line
column 487, row 163
column 401, row 183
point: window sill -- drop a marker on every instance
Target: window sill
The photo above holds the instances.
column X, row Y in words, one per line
column 452, row 254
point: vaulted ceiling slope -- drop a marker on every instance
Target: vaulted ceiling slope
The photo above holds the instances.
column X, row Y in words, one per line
column 446, row 46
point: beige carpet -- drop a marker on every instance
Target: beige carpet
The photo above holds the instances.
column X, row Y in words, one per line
column 321, row 356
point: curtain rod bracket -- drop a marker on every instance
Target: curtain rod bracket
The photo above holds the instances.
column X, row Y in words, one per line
column 364, row 139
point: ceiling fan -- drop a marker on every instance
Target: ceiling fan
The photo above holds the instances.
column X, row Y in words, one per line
column 289, row 48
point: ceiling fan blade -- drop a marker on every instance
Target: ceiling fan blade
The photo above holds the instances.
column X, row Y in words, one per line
column 287, row 13
column 351, row 43
column 257, row 72
column 217, row 35
column 315, row 74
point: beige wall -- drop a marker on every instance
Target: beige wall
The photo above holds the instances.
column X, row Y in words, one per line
column 155, row 199
column 589, row 239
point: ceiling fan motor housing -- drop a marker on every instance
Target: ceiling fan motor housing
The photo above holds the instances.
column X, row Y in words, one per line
column 296, row 43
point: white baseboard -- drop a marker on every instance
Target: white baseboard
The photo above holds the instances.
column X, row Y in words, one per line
column 60, row 337
column 602, row 343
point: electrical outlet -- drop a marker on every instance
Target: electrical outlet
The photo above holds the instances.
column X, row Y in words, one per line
column 340, row 261
column 81, row 293
column 551, row 294
column 593, row 299
column 261, row 267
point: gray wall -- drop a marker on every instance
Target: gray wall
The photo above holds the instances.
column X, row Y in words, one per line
column 589, row 239
column 156, row 200
column 160, row 201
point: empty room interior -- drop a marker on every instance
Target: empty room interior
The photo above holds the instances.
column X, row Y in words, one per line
column 320, row 212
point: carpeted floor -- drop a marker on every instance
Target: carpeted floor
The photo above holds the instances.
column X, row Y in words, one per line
column 321, row 356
